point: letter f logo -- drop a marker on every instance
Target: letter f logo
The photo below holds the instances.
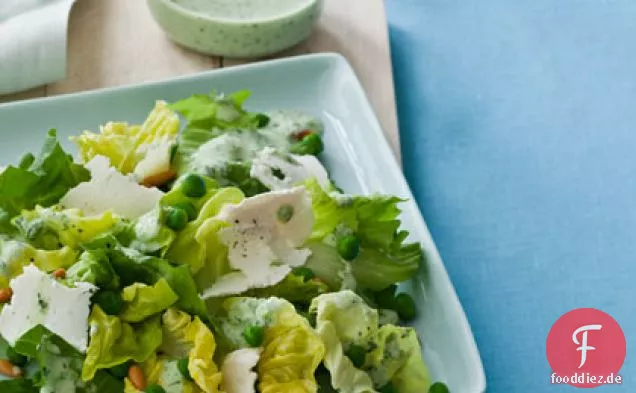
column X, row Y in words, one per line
column 583, row 344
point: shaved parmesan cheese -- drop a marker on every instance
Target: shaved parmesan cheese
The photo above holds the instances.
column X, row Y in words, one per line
column 39, row 299
column 238, row 376
column 264, row 239
column 278, row 172
column 108, row 190
column 237, row 282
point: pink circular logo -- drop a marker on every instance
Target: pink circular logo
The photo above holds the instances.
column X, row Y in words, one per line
column 586, row 348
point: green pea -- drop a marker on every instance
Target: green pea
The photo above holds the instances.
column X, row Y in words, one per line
column 304, row 272
column 311, row 144
column 357, row 355
column 109, row 301
column 189, row 208
column 176, row 218
column 388, row 388
column 348, row 247
column 285, row 213
column 438, row 387
column 155, row 389
column 120, row 371
column 254, row 335
column 182, row 365
column 386, row 297
column 193, row 186
column 262, row 120
column 405, row 307
column 16, row 358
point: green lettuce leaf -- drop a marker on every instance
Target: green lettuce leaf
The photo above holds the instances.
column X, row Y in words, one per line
column 190, row 336
column 197, row 246
column 236, row 136
column 15, row 255
column 291, row 349
column 343, row 320
column 217, row 111
column 142, row 301
column 294, row 288
column 94, row 267
column 149, row 234
column 114, row 342
column 384, row 257
column 413, row 376
column 132, row 267
column 55, row 227
column 329, row 267
column 28, row 344
column 20, row 385
column 391, row 353
column 61, row 368
column 176, row 196
column 163, row 371
column 59, row 365
column 40, row 180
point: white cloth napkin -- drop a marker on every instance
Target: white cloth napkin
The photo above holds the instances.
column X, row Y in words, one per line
column 33, row 36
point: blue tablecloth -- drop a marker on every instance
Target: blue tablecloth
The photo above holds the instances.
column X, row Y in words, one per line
column 518, row 124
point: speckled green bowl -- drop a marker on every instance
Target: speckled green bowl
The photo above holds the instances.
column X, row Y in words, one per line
column 250, row 36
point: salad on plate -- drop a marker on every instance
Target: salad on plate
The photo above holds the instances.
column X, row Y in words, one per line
column 205, row 250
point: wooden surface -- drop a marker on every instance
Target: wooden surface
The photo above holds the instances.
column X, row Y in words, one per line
column 116, row 42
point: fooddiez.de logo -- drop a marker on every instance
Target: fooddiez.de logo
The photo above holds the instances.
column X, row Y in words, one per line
column 586, row 348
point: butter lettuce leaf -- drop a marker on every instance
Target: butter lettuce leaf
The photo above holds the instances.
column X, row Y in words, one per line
column 93, row 267
column 197, row 245
column 15, row 255
column 190, row 336
column 142, row 301
column 343, row 320
column 114, row 342
column 134, row 267
column 174, row 342
column 413, row 376
column 291, row 354
column 164, row 372
column 391, row 350
column 129, row 147
column 291, row 350
column 54, row 227
column 392, row 353
column 384, row 257
column 38, row 180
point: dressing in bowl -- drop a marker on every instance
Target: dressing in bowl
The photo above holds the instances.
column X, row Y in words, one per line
column 237, row 28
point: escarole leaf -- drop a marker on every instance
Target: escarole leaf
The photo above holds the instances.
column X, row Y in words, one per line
column 384, row 257
column 114, row 342
column 134, row 267
column 38, row 180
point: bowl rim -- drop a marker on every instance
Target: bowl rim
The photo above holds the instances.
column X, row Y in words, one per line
column 186, row 12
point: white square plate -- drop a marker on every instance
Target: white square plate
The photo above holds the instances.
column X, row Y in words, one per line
column 356, row 154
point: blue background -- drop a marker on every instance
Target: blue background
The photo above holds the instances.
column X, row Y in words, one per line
column 518, row 124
